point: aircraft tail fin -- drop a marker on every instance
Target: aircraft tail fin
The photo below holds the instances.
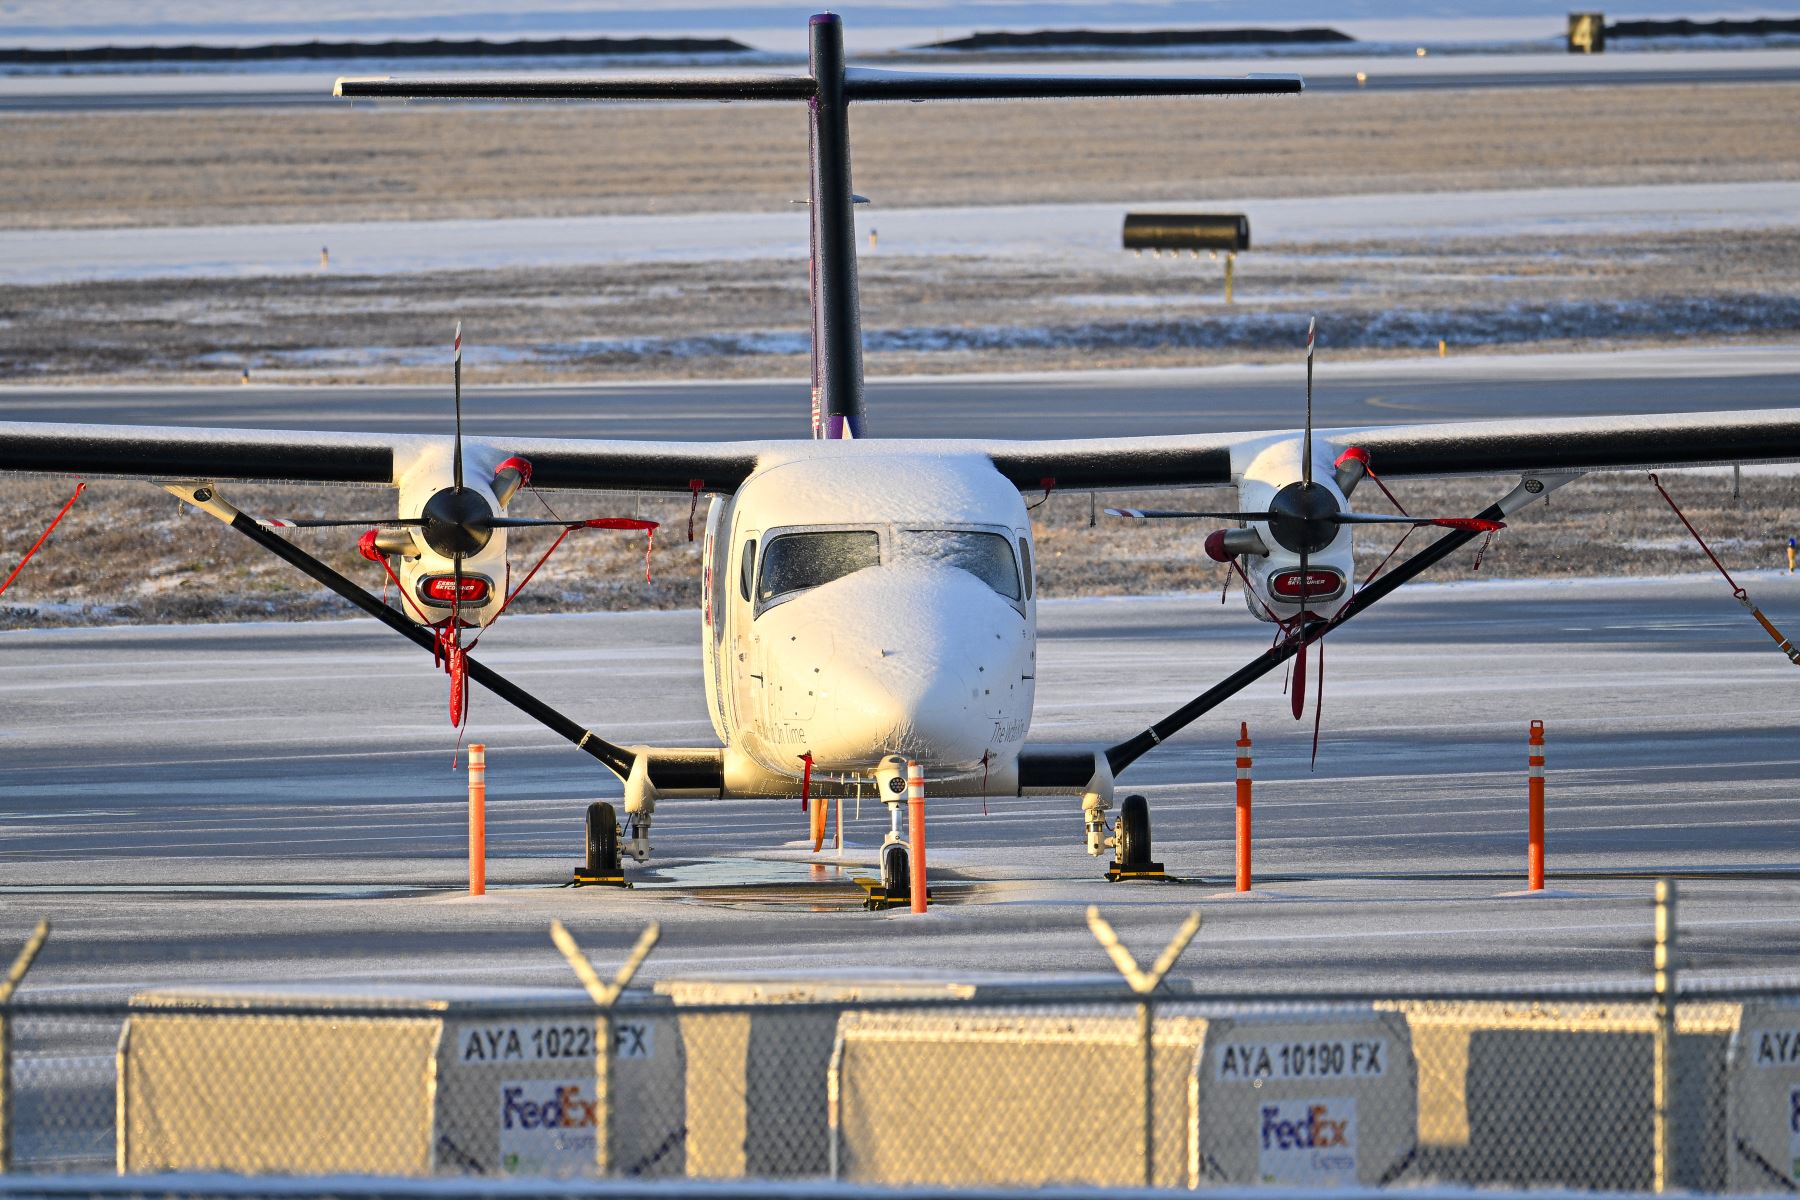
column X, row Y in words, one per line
column 829, row 88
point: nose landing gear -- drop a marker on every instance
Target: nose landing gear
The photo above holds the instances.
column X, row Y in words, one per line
column 894, row 888
column 1131, row 842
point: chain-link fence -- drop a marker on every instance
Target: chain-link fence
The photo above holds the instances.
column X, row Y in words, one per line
column 1021, row 1086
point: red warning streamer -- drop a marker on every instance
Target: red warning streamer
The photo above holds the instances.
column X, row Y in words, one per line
column 45, row 536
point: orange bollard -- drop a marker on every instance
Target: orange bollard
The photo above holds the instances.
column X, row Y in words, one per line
column 477, row 819
column 915, row 811
column 1243, row 807
column 1534, row 869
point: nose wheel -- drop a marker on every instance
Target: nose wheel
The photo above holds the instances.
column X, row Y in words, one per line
column 896, row 872
column 1131, row 839
column 604, row 866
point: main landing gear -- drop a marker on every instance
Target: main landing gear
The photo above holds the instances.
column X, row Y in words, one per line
column 604, row 867
column 1131, row 844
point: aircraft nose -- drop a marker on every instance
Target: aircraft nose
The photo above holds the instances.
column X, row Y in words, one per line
column 898, row 704
column 908, row 678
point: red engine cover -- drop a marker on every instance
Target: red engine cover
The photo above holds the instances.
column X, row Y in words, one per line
column 1322, row 583
column 439, row 591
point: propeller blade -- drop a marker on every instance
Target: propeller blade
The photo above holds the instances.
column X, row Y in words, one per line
column 395, row 522
column 1306, row 447
column 1170, row 514
column 457, row 676
column 594, row 523
column 1299, row 691
column 1478, row 524
column 458, row 466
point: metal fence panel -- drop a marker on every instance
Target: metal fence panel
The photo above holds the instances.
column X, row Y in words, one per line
column 1028, row 1089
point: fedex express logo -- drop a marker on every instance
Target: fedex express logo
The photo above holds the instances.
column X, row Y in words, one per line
column 548, row 1125
column 1794, row 1130
column 1316, row 1131
column 564, row 1108
column 1308, row 1141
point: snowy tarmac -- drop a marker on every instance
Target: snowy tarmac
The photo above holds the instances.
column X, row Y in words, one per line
column 1043, row 233
column 277, row 802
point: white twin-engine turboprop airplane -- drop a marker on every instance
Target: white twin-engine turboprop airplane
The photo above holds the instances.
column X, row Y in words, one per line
column 867, row 602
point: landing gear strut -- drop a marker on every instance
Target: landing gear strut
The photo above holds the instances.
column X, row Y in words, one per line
column 1131, row 838
column 894, row 889
column 603, row 867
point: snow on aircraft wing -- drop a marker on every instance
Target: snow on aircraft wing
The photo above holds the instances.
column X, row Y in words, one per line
column 1441, row 448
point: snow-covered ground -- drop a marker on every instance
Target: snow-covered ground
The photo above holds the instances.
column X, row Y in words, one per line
column 1051, row 233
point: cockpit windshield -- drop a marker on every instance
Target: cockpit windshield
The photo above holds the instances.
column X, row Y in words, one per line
column 794, row 562
column 986, row 556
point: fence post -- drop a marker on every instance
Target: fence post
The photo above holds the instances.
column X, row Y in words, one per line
column 1534, row 788
column 477, row 819
column 1243, row 807
column 1144, row 983
column 604, row 995
column 1662, row 1154
column 8, row 986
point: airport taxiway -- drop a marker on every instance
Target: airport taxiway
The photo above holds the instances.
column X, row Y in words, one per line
column 1061, row 404
column 266, row 803
column 1068, row 235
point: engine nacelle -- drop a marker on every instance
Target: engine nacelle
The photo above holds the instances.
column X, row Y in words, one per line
column 1278, row 590
column 427, row 565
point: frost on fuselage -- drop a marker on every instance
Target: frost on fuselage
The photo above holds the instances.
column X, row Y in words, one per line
column 872, row 606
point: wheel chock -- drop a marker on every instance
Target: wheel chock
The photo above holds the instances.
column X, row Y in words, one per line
column 1120, row 873
column 586, row 878
column 876, row 898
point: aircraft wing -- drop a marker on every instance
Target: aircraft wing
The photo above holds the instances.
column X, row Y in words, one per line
column 1443, row 448
column 378, row 459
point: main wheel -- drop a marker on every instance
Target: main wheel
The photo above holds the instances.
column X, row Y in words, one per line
column 602, row 839
column 1133, row 832
column 896, row 872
